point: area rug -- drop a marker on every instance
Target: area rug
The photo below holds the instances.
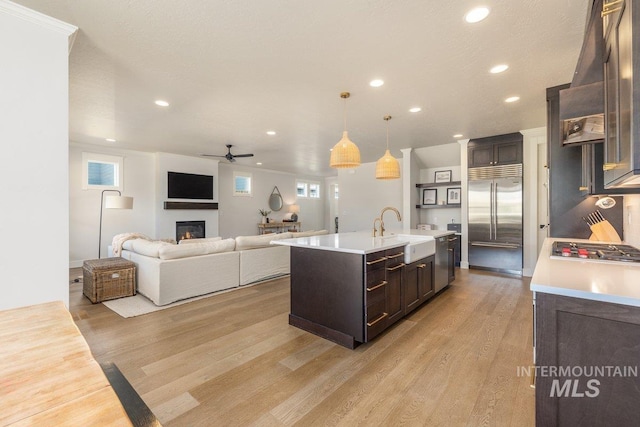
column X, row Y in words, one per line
column 138, row 305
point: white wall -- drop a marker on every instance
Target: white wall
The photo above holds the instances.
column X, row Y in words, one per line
column 34, row 106
column 165, row 220
column 362, row 198
column 84, row 204
column 239, row 215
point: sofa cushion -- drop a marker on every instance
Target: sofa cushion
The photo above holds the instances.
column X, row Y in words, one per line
column 203, row 240
column 262, row 241
column 308, row 233
column 145, row 247
column 195, row 249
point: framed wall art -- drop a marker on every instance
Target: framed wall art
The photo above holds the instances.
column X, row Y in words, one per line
column 429, row 196
column 442, row 176
column 453, row 196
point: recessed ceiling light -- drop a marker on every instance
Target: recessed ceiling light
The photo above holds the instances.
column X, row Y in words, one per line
column 259, row 163
column 271, row 132
column 162, row 103
column 499, row 69
column 457, row 135
column 476, row 15
column 110, row 140
column 415, row 110
column 376, row 83
column 512, row 99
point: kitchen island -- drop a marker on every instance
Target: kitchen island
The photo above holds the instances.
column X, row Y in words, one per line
column 586, row 340
column 349, row 287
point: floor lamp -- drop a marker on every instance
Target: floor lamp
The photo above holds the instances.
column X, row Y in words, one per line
column 112, row 202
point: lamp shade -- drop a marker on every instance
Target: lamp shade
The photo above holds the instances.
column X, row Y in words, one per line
column 118, row 202
column 294, row 208
column 345, row 154
column 387, row 167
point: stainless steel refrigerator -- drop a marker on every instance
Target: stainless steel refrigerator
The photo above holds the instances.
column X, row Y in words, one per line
column 495, row 218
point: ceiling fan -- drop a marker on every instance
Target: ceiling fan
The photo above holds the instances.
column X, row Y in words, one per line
column 229, row 156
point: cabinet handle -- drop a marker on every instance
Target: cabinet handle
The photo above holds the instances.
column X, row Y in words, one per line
column 609, row 166
column 422, row 265
column 377, row 261
column 378, row 319
column 611, row 3
column 450, row 250
column 396, row 267
column 379, row 285
column 453, row 239
column 395, row 256
column 609, row 11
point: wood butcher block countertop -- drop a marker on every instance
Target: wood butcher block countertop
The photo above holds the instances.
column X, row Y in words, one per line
column 48, row 376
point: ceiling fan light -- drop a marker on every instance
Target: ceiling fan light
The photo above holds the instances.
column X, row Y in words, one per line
column 345, row 154
column 387, row 167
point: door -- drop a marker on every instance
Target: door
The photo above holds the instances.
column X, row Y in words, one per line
column 480, row 210
column 507, row 201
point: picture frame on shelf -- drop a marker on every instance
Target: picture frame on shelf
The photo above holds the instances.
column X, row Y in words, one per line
column 429, row 196
column 453, row 196
column 442, row 176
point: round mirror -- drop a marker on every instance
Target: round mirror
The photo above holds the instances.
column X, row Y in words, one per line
column 275, row 200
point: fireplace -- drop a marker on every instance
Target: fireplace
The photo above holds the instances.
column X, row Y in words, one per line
column 189, row 230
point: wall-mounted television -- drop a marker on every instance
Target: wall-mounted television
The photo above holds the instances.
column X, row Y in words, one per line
column 189, row 186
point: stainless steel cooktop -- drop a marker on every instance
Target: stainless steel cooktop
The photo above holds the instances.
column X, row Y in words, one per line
column 596, row 251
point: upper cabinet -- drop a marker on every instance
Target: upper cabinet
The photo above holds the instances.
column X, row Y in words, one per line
column 495, row 150
column 621, row 53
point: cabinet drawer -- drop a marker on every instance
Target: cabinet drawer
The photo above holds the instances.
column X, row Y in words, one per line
column 376, row 319
column 375, row 260
column 375, row 286
column 394, row 256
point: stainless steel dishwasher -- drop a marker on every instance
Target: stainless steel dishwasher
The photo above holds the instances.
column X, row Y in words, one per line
column 442, row 263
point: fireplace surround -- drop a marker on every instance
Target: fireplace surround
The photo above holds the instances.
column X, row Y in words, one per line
column 190, row 230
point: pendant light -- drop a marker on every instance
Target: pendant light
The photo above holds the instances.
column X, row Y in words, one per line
column 345, row 153
column 387, row 166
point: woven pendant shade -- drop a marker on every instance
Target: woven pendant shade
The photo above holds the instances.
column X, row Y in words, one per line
column 345, row 154
column 387, row 166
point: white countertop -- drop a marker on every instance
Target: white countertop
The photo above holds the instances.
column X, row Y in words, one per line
column 359, row 242
column 605, row 281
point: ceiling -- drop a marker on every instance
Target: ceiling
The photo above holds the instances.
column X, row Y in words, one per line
column 234, row 69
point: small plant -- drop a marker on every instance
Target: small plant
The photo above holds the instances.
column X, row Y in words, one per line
column 264, row 212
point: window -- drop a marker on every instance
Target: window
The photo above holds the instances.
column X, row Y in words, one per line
column 100, row 171
column 302, row 189
column 241, row 184
column 309, row 190
column 314, row 191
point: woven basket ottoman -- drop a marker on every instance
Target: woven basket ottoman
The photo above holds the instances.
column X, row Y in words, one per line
column 108, row 278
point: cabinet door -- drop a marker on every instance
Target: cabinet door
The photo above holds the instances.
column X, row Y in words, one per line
column 480, row 155
column 507, row 153
column 395, row 267
column 375, row 303
column 426, row 279
column 412, row 288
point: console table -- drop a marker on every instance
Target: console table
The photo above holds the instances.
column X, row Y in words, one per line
column 49, row 376
column 279, row 227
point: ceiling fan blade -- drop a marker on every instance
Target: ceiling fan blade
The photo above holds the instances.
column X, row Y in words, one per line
column 242, row 155
column 211, row 155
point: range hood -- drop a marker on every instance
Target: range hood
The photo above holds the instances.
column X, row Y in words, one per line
column 582, row 114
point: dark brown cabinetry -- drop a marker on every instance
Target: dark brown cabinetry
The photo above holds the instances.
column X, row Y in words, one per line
column 620, row 20
column 418, row 283
column 394, row 275
column 582, row 336
column 495, row 150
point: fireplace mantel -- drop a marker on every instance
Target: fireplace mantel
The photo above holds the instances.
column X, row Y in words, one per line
column 190, row 205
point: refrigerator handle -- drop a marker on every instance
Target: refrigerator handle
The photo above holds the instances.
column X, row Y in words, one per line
column 494, row 217
column 491, row 212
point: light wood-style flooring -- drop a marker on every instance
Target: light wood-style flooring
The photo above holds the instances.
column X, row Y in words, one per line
column 233, row 360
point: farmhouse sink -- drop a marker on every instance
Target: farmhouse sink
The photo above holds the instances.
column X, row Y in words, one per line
column 417, row 247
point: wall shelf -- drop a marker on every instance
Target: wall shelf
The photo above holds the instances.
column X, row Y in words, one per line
column 440, row 184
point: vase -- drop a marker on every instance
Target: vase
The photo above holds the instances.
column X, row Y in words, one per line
column 264, row 219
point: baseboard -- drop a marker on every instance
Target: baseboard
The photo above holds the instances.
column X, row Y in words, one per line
column 75, row 264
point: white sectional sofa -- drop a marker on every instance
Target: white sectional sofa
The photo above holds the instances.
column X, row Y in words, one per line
column 168, row 272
